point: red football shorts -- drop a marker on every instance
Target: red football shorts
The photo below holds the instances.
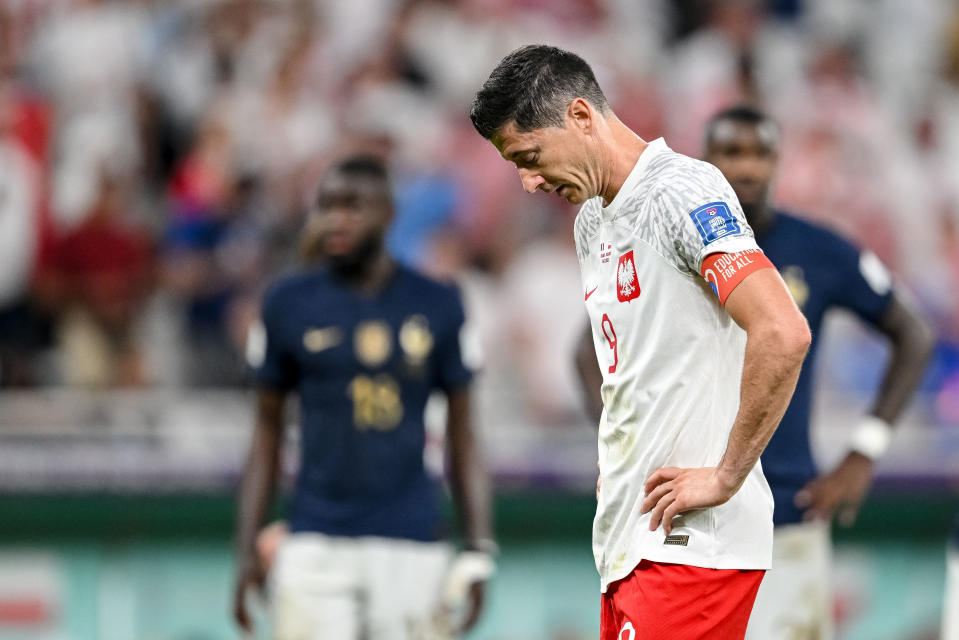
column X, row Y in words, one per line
column 660, row 601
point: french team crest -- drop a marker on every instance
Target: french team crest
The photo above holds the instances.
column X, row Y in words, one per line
column 627, row 285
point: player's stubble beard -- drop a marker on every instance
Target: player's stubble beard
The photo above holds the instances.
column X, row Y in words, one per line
column 356, row 264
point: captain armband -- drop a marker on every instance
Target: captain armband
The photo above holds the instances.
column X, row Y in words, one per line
column 724, row 271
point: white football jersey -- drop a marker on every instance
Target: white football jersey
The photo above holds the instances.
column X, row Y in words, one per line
column 672, row 362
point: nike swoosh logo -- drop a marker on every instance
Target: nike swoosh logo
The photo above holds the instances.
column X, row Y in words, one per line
column 591, row 291
column 316, row 340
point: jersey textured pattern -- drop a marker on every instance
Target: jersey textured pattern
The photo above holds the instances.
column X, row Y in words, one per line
column 823, row 271
column 364, row 367
column 672, row 363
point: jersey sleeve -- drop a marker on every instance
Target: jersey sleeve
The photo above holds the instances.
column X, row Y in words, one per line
column 272, row 361
column 704, row 229
column 710, row 219
column 862, row 283
column 457, row 350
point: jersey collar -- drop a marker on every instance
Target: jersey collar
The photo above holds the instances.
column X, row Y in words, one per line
column 652, row 150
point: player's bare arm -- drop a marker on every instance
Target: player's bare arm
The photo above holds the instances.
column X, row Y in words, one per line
column 590, row 375
column 844, row 488
column 256, row 490
column 471, row 492
column 777, row 338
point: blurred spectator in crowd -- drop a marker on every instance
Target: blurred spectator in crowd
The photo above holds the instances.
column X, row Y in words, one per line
column 23, row 327
column 102, row 272
column 214, row 255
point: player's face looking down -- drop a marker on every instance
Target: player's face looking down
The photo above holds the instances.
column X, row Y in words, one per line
column 746, row 153
column 350, row 219
column 555, row 159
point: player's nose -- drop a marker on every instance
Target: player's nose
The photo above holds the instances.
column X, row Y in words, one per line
column 531, row 180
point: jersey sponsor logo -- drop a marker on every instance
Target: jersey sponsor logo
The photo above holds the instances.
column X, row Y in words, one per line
column 373, row 342
column 629, row 630
column 675, row 540
column 416, row 341
column 714, row 221
column 591, row 292
column 316, row 340
column 627, row 286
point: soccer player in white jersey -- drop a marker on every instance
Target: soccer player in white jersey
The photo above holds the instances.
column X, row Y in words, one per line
column 699, row 340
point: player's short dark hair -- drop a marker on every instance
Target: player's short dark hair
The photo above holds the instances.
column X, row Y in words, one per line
column 364, row 165
column 532, row 87
column 741, row 113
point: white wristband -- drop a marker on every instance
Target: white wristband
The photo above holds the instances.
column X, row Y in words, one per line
column 871, row 437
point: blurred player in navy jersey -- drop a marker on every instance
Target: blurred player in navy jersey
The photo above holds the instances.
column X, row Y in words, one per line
column 363, row 341
column 823, row 271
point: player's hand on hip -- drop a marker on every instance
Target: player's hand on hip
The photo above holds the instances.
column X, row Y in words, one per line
column 671, row 491
column 841, row 490
column 250, row 575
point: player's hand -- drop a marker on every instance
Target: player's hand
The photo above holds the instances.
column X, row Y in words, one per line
column 671, row 491
column 475, row 599
column 843, row 490
column 250, row 575
column 465, row 589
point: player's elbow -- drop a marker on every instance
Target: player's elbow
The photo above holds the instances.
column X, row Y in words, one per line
column 787, row 338
column 923, row 341
column 793, row 338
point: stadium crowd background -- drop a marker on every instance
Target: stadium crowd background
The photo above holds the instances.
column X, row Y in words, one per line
column 159, row 157
column 157, row 160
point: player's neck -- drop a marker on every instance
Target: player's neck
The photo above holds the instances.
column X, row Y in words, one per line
column 618, row 157
column 373, row 275
column 761, row 219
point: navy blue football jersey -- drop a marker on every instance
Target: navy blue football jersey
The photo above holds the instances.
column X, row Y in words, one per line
column 822, row 271
column 363, row 366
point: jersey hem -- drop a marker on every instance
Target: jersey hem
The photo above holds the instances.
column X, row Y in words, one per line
column 723, row 562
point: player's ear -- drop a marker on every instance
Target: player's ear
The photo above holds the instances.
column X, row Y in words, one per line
column 580, row 115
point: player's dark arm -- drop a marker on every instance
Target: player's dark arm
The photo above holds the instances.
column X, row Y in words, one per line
column 845, row 487
column 590, row 375
column 912, row 341
column 777, row 338
column 470, row 485
column 468, row 478
column 256, row 491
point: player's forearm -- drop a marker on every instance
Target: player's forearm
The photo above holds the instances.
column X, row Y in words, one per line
column 469, row 480
column 912, row 341
column 773, row 359
column 257, row 486
column 260, row 472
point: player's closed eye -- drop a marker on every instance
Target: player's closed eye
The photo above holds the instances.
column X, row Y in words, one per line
column 529, row 160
